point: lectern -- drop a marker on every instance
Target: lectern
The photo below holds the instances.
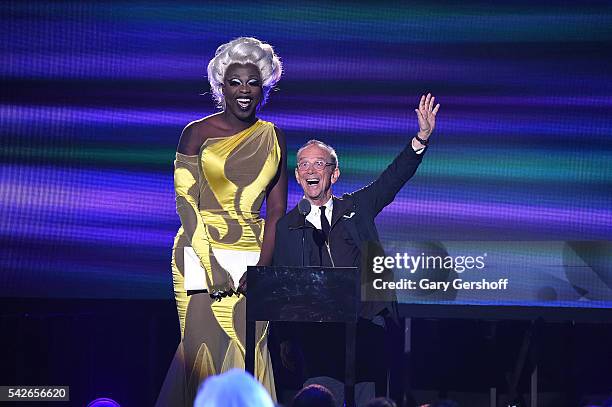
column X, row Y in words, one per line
column 305, row 294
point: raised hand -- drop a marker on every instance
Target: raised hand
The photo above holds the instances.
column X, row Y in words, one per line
column 426, row 114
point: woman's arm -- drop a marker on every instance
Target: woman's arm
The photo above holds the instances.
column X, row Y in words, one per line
column 187, row 187
column 276, row 205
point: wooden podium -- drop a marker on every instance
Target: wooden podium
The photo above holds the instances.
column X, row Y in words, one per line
column 305, row 294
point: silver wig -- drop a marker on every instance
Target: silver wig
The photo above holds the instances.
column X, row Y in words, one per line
column 244, row 50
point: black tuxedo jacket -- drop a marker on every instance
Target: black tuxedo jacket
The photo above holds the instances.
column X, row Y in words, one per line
column 356, row 211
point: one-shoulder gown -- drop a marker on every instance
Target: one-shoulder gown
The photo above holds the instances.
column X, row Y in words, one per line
column 219, row 194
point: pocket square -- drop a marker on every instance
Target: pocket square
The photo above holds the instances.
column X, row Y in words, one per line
column 350, row 215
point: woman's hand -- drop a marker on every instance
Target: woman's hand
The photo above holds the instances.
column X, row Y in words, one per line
column 426, row 114
column 242, row 285
column 218, row 295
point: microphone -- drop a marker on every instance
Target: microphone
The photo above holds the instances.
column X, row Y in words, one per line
column 304, row 209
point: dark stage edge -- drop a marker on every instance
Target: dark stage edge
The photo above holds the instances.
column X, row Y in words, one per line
column 121, row 349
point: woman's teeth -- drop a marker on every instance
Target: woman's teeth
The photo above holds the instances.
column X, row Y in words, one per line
column 243, row 103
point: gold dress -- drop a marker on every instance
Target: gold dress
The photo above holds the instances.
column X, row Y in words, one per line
column 219, row 194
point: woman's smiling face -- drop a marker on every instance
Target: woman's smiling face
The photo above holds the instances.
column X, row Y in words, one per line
column 242, row 90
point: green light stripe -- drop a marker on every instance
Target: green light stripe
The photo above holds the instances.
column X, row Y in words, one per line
column 491, row 165
column 161, row 157
column 494, row 165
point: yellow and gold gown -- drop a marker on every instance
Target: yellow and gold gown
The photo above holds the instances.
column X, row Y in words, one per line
column 219, row 194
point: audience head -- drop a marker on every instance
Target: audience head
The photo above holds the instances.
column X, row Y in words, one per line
column 103, row 402
column 380, row 402
column 235, row 388
column 444, row 403
column 314, row 395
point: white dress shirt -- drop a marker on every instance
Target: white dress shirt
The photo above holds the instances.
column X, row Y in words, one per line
column 314, row 216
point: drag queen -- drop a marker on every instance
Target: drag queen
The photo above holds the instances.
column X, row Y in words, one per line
column 226, row 165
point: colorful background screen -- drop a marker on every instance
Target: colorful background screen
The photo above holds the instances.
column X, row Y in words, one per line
column 95, row 95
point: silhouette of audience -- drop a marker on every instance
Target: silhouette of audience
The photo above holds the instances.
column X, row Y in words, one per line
column 234, row 388
column 314, row 395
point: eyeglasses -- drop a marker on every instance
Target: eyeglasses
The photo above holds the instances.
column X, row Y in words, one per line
column 318, row 165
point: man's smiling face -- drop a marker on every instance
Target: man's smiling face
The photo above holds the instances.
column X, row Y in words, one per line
column 316, row 183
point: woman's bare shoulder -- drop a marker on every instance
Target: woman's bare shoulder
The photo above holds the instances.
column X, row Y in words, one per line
column 196, row 133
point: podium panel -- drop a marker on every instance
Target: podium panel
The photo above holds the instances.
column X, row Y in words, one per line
column 303, row 294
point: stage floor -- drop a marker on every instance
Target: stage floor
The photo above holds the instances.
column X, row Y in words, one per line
column 121, row 349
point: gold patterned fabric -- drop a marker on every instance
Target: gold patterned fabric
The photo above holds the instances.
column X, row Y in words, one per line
column 219, row 194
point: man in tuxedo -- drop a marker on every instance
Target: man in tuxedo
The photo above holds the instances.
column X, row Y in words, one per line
column 335, row 233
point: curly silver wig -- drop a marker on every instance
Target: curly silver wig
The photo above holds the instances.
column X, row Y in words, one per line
column 244, row 50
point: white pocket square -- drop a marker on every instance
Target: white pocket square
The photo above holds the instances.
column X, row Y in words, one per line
column 350, row 215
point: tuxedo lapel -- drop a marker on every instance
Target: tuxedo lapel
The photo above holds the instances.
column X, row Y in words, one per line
column 341, row 207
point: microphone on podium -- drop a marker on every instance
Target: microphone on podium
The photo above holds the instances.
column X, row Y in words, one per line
column 304, row 209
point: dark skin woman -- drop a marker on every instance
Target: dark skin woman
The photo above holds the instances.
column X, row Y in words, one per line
column 243, row 82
